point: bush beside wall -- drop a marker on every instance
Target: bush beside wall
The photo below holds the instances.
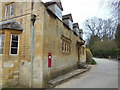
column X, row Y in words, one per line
column 89, row 55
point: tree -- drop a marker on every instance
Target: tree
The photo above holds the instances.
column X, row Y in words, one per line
column 114, row 7
column 105, row 29
column 117, row 39
column 117, row 36
column 102, row 33
column 101, row 37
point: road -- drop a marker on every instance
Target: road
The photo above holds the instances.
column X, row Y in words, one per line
column 103, row 75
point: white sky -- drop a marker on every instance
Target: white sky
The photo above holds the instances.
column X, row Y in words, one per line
column 80, row 9
column 84, row 9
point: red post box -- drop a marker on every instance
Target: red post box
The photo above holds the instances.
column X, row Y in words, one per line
column 49, row 59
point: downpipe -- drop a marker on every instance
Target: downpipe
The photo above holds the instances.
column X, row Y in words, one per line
column 33, row 19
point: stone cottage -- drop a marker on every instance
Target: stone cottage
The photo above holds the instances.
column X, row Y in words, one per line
column 37, row 43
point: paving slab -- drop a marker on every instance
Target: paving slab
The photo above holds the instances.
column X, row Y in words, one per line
column 52, row 83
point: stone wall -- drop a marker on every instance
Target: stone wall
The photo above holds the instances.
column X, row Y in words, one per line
column 17, row 68
column 61, row 62
column 48, row 32
column 0, row 71
column 83, row 54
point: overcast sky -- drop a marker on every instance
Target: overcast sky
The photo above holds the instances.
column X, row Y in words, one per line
column 81, row 9
column 84, row 9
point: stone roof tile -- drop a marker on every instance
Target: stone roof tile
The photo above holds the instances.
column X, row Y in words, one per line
column 11, row 25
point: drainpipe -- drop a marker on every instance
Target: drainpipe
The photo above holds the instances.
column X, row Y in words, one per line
column 33, row 19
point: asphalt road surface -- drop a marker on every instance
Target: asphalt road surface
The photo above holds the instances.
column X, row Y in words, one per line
column 103, row 75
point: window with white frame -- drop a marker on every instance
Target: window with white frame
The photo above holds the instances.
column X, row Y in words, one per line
column 12, row 9
column 14, row 44
column 9, row 10
column 1, row 43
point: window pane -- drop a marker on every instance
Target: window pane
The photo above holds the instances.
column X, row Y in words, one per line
column 13, row 50
column 62, row 45
column 12, row 9
column 7, row 10
column 1, row 50
column 1, row 43
column 15, row 37
column 65, row 46
column 14, row 44
column 1, row 40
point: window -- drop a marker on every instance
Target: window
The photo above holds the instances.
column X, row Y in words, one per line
column 65, row 46
column 14, row 44
column 1, row 43
column 9, row 10
column 12, row 9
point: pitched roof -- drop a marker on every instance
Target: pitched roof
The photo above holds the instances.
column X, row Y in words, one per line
column 68, row 16
column 11, row 25
column 58, row 2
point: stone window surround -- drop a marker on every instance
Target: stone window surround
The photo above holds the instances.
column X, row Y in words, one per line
column 66, row 45
column 7, row 41
column 1, row 43
column 7, row 7
column 10, row 4
column 11, row 43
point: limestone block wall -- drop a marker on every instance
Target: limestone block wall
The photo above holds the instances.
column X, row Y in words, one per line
column 0, row 11
column 61, row 62
column 48, row 32
column 25, row 60
column 10, row 63
column 83, row 54
column 10, row 73
column 0, row 71
column 39, row 47
column 16, row 69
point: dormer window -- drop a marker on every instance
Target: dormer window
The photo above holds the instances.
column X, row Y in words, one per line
column 67, row 20
column 81, row 33
column 76, row 29
column 55, row 8
column 9, row 10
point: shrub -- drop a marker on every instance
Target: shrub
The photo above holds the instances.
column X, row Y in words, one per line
column 88, row 56
column 93, row 62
